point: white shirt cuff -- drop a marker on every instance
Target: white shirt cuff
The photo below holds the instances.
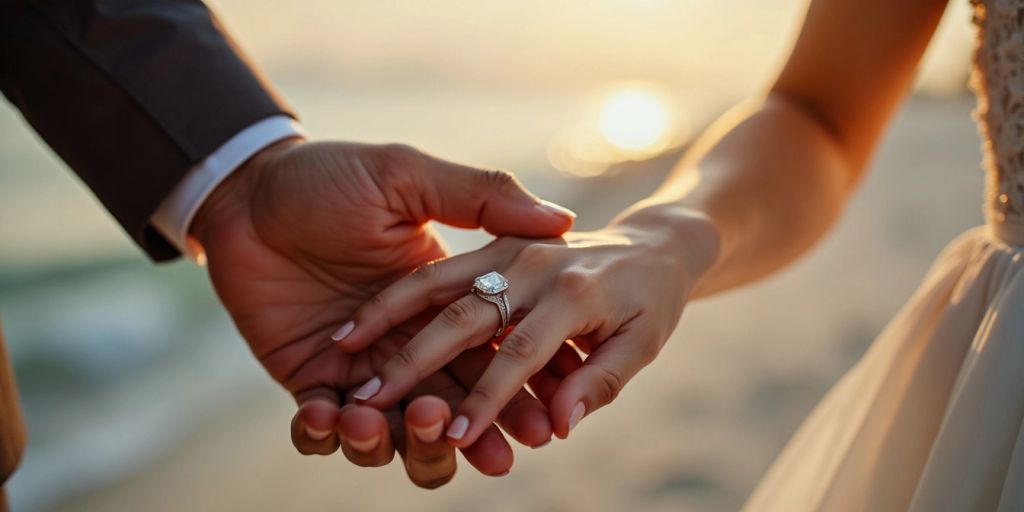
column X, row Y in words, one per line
column 174, row 216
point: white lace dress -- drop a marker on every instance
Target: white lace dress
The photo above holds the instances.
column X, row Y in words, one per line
column 931, row 418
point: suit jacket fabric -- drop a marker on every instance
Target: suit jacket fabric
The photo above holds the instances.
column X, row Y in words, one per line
column 130, row 93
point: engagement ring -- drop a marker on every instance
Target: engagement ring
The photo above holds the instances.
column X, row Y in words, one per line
column 491, row 287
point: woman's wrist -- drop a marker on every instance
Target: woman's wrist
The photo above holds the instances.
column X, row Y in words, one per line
column 689, row 234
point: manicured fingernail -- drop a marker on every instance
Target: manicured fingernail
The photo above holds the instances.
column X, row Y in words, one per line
column 429, row 434
column 542, row 445
column 577, row 415
column 561, row 211
column 499, row 475
column 317, row 435
column 458, row 428
column 343, row 331
column 366, row 445
column 367, row 390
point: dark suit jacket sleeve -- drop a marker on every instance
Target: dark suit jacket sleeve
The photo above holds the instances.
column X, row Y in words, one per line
column 129, row 93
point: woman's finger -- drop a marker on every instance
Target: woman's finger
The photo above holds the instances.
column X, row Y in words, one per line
column 429, row 459
column 603, row 375
column 463, row 324
column 435, row 283
column 522, row 353
column 314, row 424
column 524, row 417
column 365, row 438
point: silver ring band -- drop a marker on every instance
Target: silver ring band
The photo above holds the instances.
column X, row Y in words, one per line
column 500, row 300
column 492, row 287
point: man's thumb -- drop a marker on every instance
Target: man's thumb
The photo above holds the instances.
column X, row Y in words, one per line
column 467, row 197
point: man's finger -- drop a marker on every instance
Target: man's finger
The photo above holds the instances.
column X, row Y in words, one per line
column 313, row 426
column 365, row 438
column 491, row 455
column 429, row 459
column 495, row 200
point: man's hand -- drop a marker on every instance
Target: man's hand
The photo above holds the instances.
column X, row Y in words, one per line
column 304, row 233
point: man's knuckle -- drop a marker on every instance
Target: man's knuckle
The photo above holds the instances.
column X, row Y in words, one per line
column 610, row 384
column 498, row 178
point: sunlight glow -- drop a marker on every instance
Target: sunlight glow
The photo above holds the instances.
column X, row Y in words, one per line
column 635, row 121
column 619, row 123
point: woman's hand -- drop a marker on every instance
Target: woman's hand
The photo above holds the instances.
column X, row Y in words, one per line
column 616, row 293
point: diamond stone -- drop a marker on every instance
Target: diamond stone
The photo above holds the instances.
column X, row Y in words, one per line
column 491, row 283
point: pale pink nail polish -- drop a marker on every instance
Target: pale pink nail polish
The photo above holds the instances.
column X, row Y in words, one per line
column 343, row 331
column 317, row 435
column 367, row 390
column 458, row 428
column 577, row 414
column 429, row 434
column 366, row 445
column 499, row 475
column 561, row 211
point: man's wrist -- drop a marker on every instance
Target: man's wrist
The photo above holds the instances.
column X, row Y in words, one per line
column 231, row 201
column 175, row 213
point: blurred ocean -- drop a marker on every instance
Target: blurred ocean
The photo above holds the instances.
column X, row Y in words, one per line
column 139, row 394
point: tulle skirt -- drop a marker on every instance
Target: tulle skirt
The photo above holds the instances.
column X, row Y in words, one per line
column 931, row 418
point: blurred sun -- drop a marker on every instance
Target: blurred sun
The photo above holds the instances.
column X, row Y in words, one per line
column 635, row 121
column 631, row 121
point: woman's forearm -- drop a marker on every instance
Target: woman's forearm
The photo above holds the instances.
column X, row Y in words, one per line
column 771, row 179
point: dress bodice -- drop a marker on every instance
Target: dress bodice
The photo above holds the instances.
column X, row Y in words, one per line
column 997, row 78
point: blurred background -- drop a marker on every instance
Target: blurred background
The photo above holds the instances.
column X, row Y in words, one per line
column 140, row 395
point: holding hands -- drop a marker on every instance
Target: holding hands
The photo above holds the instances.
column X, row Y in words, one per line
column 304, row 233
column 604, row 290
column 322, row 254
